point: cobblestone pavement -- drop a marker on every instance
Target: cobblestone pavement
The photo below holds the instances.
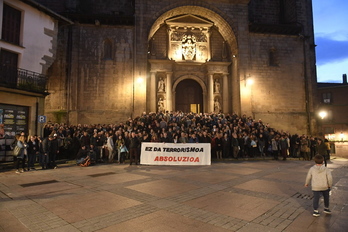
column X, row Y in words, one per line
column 263, row 195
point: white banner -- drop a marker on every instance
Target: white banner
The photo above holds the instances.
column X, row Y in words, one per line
column 175, row 154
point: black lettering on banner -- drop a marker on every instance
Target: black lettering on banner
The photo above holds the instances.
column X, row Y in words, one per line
column 157, row 149
column 148, row 148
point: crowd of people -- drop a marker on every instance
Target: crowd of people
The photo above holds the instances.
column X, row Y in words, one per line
column 230, row 136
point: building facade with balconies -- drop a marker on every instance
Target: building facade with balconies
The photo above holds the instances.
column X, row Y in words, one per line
column 28, row 43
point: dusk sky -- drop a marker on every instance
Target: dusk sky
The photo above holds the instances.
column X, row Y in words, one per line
column 331, row 38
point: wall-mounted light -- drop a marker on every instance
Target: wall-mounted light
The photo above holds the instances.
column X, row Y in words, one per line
column 140, row 80
column 342, row 136
column 250, row 81
column 322, row 114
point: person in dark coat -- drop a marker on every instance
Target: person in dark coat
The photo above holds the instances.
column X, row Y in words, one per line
column 53, row 150
column 133, row 148
column 33, row 151
column 44, row 158
column 226, row 146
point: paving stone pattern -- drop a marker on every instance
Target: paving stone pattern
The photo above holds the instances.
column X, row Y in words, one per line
column 260, row 195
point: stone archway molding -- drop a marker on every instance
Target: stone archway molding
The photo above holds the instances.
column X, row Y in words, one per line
column 193, row 77
column 224, row 24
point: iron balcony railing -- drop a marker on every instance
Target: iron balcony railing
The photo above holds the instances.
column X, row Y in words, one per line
column 18, row 78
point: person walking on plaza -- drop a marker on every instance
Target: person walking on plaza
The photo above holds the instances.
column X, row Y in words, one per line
column 321, row 182
column 321, row 150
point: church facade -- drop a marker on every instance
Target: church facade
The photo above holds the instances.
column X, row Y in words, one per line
column 122, row 58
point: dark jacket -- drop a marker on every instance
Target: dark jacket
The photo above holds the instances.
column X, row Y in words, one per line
column 53, row 147
column 33, row 148
column 134, row 142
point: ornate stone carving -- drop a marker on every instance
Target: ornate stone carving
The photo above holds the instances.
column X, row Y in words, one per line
column 189, row 47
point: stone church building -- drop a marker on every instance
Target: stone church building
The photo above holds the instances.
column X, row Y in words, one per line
column 122, row 58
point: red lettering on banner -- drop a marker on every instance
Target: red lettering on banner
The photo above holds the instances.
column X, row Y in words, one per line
column 176, row 159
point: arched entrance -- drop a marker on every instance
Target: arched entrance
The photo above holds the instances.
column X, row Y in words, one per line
column 189, row 96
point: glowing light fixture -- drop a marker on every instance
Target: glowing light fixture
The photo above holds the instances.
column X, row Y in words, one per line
column 140, row 80
column 322, row 114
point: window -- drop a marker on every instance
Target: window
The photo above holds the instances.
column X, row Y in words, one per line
column 8, row 69
column 272, row 57
column 11, row 24
column 288, row 11
column 327, row 98
column 107, row 50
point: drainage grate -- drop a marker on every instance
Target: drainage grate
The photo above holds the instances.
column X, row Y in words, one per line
column 39, row 183
column 302, row 196
column 102, row 174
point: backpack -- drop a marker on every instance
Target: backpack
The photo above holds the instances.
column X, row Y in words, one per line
column 86, row 163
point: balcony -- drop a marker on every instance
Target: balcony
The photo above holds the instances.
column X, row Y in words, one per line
column 22, row 79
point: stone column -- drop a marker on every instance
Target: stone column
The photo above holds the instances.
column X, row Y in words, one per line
column 210, row 93
column 153, row 91
column 225, row 94
column 235, row 87
column 169, row 93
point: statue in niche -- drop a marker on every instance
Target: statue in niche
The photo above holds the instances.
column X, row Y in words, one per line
column 217, row 106
column 160, row 105
column 189, row 47
column 161, row 85
column 123, row 50
column 217, row 86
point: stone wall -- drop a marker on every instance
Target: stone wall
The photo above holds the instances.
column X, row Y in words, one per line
column 95, row 88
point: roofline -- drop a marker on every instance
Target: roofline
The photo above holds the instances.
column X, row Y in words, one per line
column 47, row 11
column 330, row 85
